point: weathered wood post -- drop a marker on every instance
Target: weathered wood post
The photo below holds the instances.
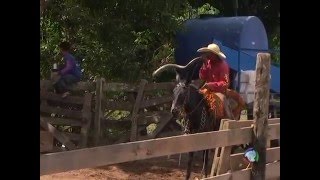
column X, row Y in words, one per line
column 86, row 119
column 135, row 111
column 260, row 114
column 98, row 111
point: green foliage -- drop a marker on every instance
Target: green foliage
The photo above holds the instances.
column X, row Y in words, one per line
column 275, row 45
column 127, row 40
column 118, row 40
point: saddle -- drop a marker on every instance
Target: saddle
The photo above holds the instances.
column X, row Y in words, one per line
column 228, row 105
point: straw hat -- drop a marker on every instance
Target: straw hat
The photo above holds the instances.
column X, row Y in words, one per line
column 214, row 49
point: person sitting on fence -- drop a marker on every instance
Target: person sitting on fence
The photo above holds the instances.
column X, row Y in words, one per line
column 69, row 74
column 215, row 73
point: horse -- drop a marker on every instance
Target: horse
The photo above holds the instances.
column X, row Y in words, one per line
column 187, row 100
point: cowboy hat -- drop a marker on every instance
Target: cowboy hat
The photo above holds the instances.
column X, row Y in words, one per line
column 213, row 48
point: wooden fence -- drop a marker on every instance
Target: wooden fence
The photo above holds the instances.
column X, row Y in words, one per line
column 74, row 113
column 90, row 101
column 138, row 150
column 147, row 108
column 141, row 101
column 259, row 131
column 224, row 161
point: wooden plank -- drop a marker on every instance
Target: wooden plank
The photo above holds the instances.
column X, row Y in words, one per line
column 161, row 125
column 161, row 135
column 127, row 87
column 136, row 107
column 62, row 121
column 46, row 141
column 248, row 123
column 80, row 86
column 116, row 123
column 144, row 137
column 123, row 139
column 45, row 84
column 273, row 133
column 73, row 136
column 57, row 149
column 153, row 117
column 237, row 161
column 224, row 162
column 84, row 86
column 86, row 119
column 56, row 97
column 160, row 86
column 138, row 150
column 272, row 171
column 215, row 162
column 143, row 119
column 260, row 112
column 169, row 134
column 273, row 154
column 132, row 87
column 61, row 111
column 57, row 134
column 118, row 105
column 156, row 101
column 43, row 101
column 98, row 111
column 216, row 157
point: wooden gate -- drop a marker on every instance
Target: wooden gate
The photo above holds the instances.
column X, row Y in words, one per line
column 67, row 119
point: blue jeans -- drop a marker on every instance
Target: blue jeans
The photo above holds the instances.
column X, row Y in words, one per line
column 65, row 82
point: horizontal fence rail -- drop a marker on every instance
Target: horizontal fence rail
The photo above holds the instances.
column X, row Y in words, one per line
column 119, row 153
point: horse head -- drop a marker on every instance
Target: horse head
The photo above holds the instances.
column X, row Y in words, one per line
column 184, row 76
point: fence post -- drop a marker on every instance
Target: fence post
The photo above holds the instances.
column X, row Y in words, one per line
column 260, row 114
column 98, row 111
column 136, row 107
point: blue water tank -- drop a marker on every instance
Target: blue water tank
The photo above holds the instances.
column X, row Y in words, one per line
column 240, row 39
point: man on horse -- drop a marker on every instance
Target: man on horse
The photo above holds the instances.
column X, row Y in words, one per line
column 215, row 73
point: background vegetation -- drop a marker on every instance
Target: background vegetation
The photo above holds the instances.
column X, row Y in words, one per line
column 125, row 40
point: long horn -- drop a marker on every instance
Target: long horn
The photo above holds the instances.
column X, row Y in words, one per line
column 167, row 66
column 192, row 61
column 164, row 67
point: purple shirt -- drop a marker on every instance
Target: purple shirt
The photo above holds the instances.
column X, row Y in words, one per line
column 71, row 66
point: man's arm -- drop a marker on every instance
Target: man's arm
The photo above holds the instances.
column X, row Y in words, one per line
column 223, row 83
column 203, row 73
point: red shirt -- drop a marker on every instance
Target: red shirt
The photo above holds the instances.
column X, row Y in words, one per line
column 216, row 75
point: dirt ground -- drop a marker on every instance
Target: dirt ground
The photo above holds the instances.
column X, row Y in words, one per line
column 163, row 168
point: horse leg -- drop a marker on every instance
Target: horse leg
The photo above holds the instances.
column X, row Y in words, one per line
column 189, row 165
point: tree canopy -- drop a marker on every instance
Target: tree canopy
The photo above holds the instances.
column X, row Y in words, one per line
column 125, row 40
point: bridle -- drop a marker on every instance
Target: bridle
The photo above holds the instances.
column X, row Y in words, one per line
column 185, row 106
column 187, row 98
